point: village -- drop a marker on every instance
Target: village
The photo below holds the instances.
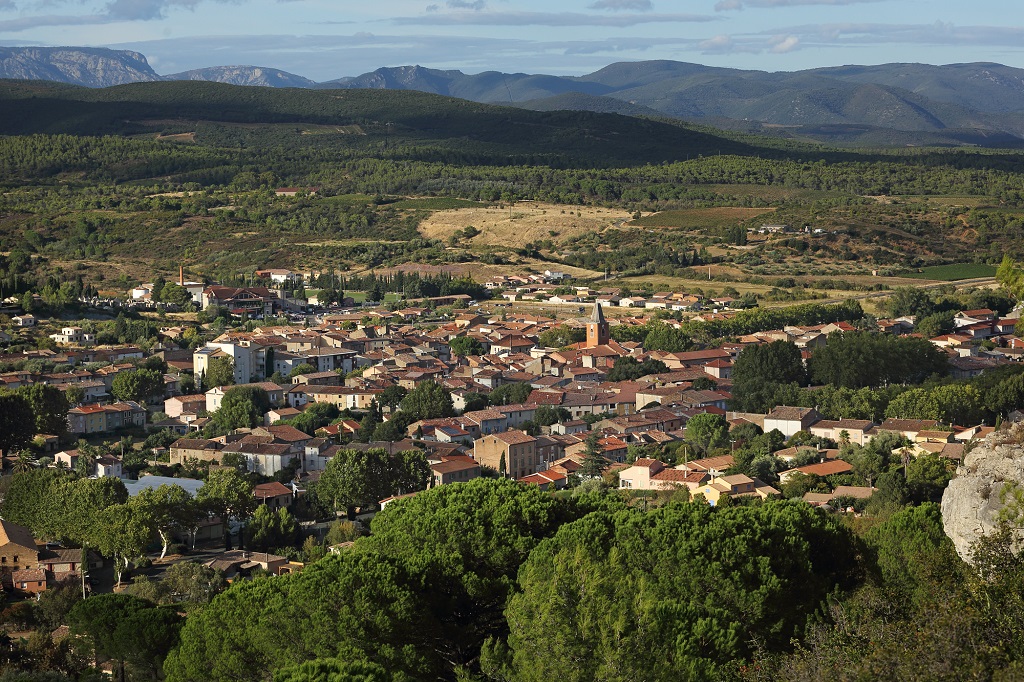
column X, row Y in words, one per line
column 547, row 402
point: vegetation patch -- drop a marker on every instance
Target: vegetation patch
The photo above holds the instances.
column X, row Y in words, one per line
column 696, row 218
column 952, row 273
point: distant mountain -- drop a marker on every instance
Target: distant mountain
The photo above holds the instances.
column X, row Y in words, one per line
column 244, row 75
column 905, row 103
column 926, row 104
column 91, row 67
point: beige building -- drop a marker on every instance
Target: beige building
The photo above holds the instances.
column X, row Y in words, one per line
column 737, row 485
column 518, row 448
column 18, row 549
column 789, row 420
column 198, row 449
column 859, row 431
column 651, row 474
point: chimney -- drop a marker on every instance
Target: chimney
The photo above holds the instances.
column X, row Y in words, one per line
column 181, row 275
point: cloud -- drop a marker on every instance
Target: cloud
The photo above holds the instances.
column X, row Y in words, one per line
column 546, row 19
column 114, row 11
column 621, row 5
column 785, row 44
column 938, row 33
column 726, row 5
column 467, row 4
column 28, row 23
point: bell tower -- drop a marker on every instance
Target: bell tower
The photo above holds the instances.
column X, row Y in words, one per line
column 597, row 328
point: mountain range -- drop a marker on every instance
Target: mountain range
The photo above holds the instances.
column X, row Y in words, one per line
column 979, row 103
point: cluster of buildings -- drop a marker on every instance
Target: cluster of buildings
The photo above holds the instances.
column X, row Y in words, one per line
column 350, row 359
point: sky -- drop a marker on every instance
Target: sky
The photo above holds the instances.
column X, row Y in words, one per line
column 328, row 39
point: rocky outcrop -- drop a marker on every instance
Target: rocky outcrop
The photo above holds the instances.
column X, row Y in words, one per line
column 91, row 67
column 245, row 75
column 975, row 499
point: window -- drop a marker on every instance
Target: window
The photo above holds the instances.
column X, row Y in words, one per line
column 15, row 558
column 3, row 560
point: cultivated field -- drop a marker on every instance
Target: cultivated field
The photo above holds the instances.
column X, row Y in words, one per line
column 695, row 218
column 530, row 222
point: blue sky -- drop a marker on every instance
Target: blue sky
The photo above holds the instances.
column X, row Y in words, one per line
column 326, row 39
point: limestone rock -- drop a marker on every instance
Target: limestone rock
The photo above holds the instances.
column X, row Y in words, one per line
column 972, row 503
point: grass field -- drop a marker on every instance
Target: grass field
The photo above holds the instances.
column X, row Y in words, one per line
column 952, row 273
column 436, row 204
column 530, row 222
column 695, row 218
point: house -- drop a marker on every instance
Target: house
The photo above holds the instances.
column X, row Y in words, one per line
column 108, row 466
column 457, row 469
column 549, row 479
column 652, row 474
column 908, row 428
column 196, row 449
column 510, row 453
column 29, row 581
column 26, row 320
column 18, row 548
column 823, row 469
column 789, row 420
column 737, row 485
column 239, row 564
column 273, row 495
column 859, row 431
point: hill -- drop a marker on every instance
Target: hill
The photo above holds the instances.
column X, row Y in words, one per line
column 220, row 114
column 90, row 67
column 889, row 104
column 244, row 75
column 981, row 101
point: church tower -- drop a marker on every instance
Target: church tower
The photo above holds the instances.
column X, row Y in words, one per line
column 597, row 328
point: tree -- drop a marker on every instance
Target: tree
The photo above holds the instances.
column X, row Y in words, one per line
column 1009, row 276
column 561, row 336
column 300, row 369
column 50, row 407
column 127, row 629
column 758, row 372
column 169, row 508
column 661, row 336
column 391, row 396
column 75, row 394
column 628, row 369
column 859, row 359
column 192, row 582
column 428, row 400
column 593, row 456
column 219, row 372
column 466, row 541
column 706, row 432
column 632, row 597
column 121, row 533
column 510, row 394
column 546, row 415
column 333, row 670
column 908, row 301
column 359, row 478
column 268, row 529
column 927, row 477
column 466, row 345
column 140, row 385
column 242, row 407
column 227, row 493
column 17, row 422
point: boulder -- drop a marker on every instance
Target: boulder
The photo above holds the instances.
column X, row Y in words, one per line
column 974, row 502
